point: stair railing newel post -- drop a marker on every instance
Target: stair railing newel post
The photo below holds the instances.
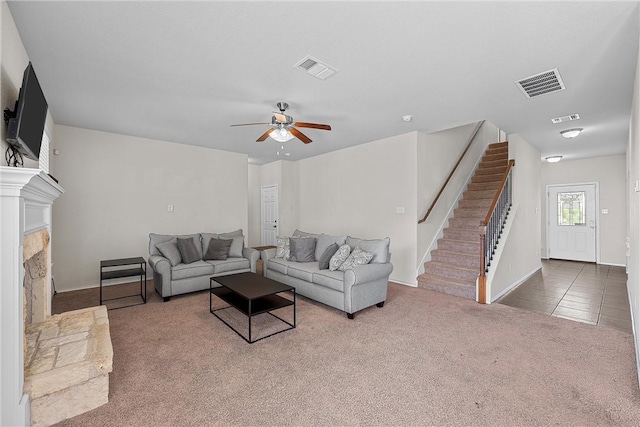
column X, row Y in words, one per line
column 491, row 227
column 482, row 279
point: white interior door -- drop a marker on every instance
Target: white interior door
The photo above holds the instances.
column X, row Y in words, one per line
column 269, row 197
column 572, row 222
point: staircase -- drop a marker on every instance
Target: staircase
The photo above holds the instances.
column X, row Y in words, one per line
column 455, row 265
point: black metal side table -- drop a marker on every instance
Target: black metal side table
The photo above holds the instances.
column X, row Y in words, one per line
column 113, row 272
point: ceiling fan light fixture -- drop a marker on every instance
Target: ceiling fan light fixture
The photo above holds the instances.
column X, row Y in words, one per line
column 281, row 135
column 571, row 133
column 553, row 159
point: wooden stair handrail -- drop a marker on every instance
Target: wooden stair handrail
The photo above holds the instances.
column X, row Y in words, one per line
column 486, row 219
column 471, row 138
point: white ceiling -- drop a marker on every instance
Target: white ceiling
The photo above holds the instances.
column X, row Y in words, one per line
column 185, row 71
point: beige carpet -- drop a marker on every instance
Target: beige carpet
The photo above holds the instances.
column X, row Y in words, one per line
column 423, row 359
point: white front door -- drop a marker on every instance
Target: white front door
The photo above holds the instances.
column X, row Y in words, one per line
column 572, row 222
column 269, row 197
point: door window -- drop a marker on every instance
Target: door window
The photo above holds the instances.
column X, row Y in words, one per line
column 571, row 208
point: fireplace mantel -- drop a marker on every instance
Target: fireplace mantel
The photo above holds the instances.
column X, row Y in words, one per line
column 26, row 198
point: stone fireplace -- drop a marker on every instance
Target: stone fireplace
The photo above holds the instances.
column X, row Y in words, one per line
column 37, row 277
column 52, row 367
column 26, row 199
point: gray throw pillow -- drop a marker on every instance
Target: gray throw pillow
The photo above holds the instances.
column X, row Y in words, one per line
column 339, row 257
column 303, row 249
column 169, row 250
column 323, row 261
column 299, row 233
column 325, row 240
column 356, row 257
column 218, row 249
column 238, row 242
column 188, row 250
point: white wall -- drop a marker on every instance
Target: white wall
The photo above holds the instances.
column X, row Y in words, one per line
column 609, row 172
column 254, row 234
column 13, row 61
column 355, row 191
column 437, row 155
column 118, row 189
column 521, row 252
column 633, row 214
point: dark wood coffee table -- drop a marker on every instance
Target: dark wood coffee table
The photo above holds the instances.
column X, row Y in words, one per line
column 251, row 294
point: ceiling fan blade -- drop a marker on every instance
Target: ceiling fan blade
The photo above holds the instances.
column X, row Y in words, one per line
column 250, row 124
column 264, row 135
column 301, row 136
column 312, row 125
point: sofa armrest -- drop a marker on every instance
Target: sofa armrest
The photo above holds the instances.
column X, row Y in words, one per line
column 252, row 255
column 360, row 274
column 266, row 255
column 161, row 274
column 366, row 285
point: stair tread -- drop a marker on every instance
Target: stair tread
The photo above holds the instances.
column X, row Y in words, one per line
column 462, row 282
column 453, row 266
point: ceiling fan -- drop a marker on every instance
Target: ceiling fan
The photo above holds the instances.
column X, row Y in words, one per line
column 283, row 128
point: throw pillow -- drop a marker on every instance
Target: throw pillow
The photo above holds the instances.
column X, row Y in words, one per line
column 324, row 241
column 282, row 247
column 339, row 257
column 302, row 249
column 188, row 250
column 357, row 257
column 323, row 261
column 238, row 242
column 169, row 250
column 218, row 249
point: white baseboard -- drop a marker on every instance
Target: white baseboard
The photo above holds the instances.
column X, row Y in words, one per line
column 111, row 282
column 412, row 285
column 516, row 283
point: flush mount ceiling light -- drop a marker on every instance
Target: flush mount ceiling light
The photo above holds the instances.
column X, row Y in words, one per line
column 407, row 118
column 553, row 159
column 571, row 133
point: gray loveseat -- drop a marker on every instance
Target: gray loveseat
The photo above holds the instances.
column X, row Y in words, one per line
column 174, row 276
column 354, row 289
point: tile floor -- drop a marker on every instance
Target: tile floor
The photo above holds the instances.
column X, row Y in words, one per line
column 584, row 292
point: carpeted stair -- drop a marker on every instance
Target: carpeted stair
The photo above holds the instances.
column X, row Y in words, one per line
column 455, row 264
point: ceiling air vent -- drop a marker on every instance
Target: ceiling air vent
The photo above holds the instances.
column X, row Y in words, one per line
column 546, row 82
column 315, row 67
column 565, row 118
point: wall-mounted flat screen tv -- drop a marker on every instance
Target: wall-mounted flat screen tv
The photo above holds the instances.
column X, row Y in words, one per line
column 26, row 128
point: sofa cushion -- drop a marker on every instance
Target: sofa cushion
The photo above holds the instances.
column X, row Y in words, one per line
column 339, row 257
column 378, row 247
column 206, row 239
column 302, row 249
column 329, row 279
column 188, row 250
column 303, row 270
column 184, row 271
column 299, row 233
column 325, row 240
column 154, row 239
column 170, row 251
column 282, row 247
column 323, row 261
column 229, row 264
column 218, row 249
column 278, row 264
column 356, row 257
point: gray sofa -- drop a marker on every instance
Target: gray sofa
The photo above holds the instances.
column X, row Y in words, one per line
column 354, row 289
column 181, row 278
